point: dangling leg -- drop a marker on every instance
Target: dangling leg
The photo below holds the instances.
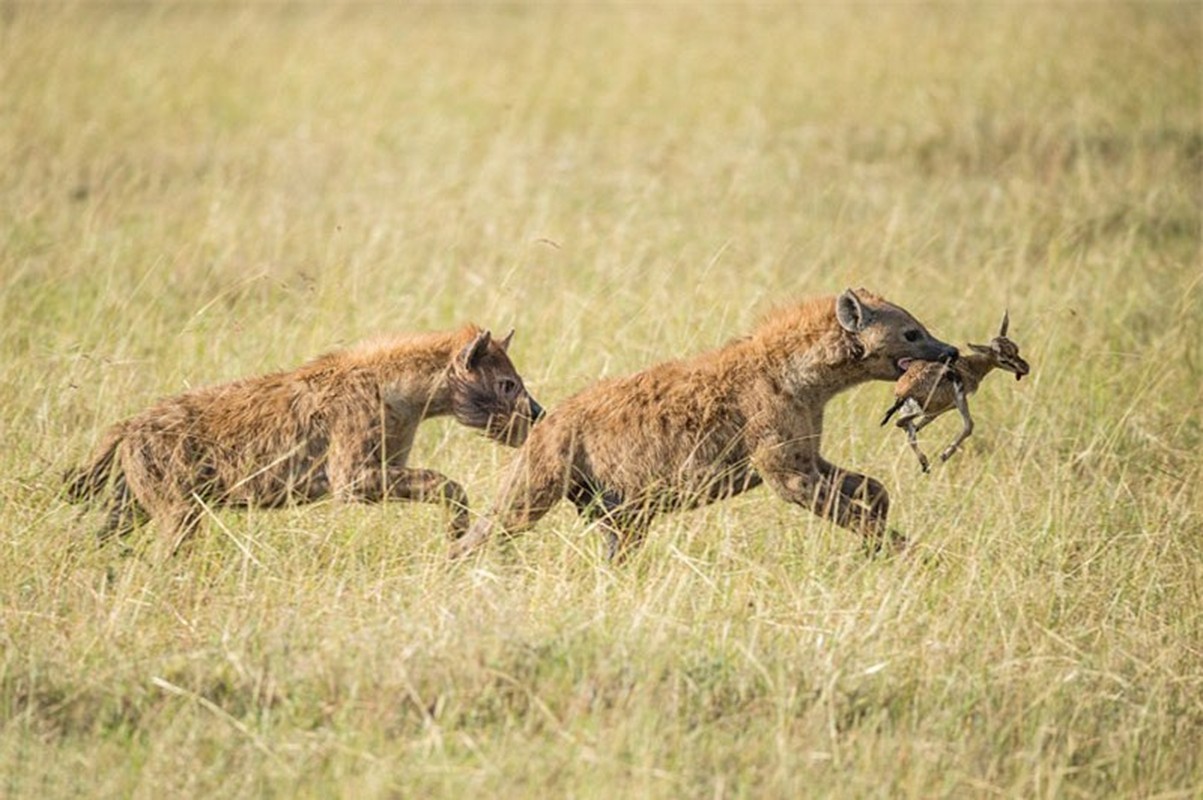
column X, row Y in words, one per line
column 913, row 439
column 962, row 406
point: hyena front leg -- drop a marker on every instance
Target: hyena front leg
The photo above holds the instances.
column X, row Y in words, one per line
column 862, row 504
column 378, row 485
column 529, row 491
column 849, row 499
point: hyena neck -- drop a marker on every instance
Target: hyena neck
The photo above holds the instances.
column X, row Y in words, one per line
column 412, row 373
column 813, row 363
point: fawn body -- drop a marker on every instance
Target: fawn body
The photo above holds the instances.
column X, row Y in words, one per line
column 929, row 389
column 686, row 433
column 341, row 425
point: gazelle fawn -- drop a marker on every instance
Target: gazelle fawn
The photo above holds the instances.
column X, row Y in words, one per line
column 927, row 389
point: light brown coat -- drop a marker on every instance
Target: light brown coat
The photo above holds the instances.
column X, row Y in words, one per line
column 341, row 425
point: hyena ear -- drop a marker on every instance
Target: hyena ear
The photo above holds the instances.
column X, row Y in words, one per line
column 504, row 344
column 851, row 313
column 1002, row 331
column 471, row 355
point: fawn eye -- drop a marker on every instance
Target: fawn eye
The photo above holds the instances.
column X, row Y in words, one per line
column 912, row 335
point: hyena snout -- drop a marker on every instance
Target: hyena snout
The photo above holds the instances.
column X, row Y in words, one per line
column 513, row 427
column 536, row 412
column 934, row 350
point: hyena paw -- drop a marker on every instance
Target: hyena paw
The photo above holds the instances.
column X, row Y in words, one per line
column 458, row 526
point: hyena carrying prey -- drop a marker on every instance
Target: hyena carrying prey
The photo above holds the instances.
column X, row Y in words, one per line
column 686, row 433
column 341, row 425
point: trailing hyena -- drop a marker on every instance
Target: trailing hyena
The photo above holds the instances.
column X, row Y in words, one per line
column 686, row 433
column 341, row 425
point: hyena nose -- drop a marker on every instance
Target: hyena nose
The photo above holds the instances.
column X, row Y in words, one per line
column 951, row 354
column 536, row 410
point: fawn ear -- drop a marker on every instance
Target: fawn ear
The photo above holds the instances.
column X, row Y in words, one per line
column 471, row 355
column 504, row 344
column 980, row 348
column 852, row 315
column 1002, row 331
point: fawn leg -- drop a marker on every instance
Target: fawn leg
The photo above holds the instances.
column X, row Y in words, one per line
column 913, row 439
column 958, row 393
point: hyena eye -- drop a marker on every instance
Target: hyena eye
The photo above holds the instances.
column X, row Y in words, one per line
column 507, row 386
column 912, row 335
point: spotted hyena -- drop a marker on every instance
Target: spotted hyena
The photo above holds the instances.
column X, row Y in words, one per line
column 341, row 425
column 686, row 433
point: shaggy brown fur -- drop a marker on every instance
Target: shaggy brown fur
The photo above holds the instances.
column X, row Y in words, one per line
column 928, row 389
column 686, row 433
column 341, row 425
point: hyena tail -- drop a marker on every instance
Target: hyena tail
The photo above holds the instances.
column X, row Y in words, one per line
column 897, row 405
column 84, row 483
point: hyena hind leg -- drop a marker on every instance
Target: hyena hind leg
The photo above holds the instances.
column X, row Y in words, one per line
column 624, row 532
column 122, row 515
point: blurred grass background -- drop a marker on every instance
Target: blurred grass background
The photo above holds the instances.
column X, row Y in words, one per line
column 192, row 192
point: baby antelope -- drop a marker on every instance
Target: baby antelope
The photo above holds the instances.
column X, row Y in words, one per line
column 927, row 389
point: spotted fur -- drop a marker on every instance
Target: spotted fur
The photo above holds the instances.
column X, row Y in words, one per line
column 341, row 425
column 686, row 433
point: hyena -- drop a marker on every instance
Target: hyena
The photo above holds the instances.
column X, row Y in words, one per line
column 929, row 389
column 341, row 425
column 686, row 433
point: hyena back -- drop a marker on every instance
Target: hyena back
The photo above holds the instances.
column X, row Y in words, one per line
column 686, row 433
column 341, row 425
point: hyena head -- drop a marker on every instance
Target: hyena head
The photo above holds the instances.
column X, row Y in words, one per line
column 1003, row 352
column 887, row 336
column 487, row 393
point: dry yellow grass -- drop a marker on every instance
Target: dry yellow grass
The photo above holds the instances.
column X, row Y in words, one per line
column 191, row 192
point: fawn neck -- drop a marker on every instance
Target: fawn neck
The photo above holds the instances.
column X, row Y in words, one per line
column 974, row 366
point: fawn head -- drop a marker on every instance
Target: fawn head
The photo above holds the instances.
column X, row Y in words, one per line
column 488, row 394
column 1003, row 352
column 887, row 337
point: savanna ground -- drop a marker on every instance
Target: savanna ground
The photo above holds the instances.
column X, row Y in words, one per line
column 193, row 192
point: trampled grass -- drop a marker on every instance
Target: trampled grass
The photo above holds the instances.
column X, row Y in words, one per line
column 192, row 192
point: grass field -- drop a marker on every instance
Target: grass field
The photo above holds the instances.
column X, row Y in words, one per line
column 191, row 192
